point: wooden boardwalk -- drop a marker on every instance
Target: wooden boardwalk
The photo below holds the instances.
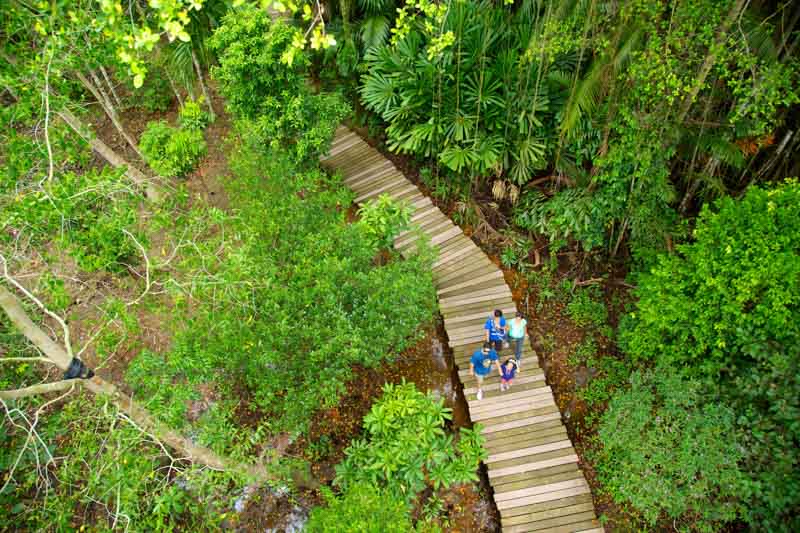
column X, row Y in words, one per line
column 532, row 465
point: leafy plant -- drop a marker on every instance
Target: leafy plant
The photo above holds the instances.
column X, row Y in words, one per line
column 586, row 308
column 361, row 508
column 725, row 309
column 383, row 219
column 172, row 151
column 192, row 116
column 667, row 452
column 407, row 448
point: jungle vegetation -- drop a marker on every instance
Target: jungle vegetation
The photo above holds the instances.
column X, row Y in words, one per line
column 656, row 141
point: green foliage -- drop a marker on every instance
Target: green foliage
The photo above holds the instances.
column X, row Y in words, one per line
column 99, row 459
column 457, row 84
column 270, row 97
column 668, row 453
column 726, row 310
column 76, row 211
column 407, row 448
column 362, row 508
column 172, row 151
column 515, row 255
column 383, row 219
column 586, row 308
column 302, row 301
column 192, row 116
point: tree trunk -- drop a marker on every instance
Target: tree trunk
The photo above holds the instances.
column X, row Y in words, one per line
column 199, row 70
column 199, row 454
column 711, row 57
column 110, row 86
column 108, row 107
column 111, row 156
column 175, row 89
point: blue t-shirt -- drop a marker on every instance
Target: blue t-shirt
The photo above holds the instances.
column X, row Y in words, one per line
column 496, row 333
column 509, row 371
column 483, row 362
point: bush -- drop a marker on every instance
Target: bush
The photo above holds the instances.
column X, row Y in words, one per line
column 383, row 219
column 192, row 116
column 269, row 97
column 75, row 209
column 407, row 448
column 727, row 310
column 666, row 452
column 362, row 508
column 171, row 151
column 586, row 308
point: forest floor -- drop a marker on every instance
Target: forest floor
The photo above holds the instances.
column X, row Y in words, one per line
column 554, row 334
column 428, row 363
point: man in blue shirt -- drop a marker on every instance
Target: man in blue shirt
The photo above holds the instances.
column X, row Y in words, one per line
column 496, row 329
column 481, row 364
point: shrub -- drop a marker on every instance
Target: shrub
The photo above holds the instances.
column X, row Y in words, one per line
column 586, row 308
column 727, row 310
column 666, row 452
column 362, row 508
column 171, row 151
column 269, row 97
column 192, row 116
column 383, row 219
column 407, row 449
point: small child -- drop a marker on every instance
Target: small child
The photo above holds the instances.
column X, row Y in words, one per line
column 508, row 371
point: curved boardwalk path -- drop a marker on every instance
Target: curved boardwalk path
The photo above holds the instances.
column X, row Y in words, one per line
column 532, row 465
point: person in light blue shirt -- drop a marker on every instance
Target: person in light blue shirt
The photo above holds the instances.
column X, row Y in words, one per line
column 516, row 332
column 480, row 365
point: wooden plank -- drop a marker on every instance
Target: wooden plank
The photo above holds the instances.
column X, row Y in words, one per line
column 528, row 440
column 373, row 165
column 373, row 192
column 532, row 379
column 444, row 237
column 478, row 315
column 593, row 530
column 533, row 465
column 433, row 227
column 547, row 496
column 570, row 528
column 511, row 408
column 466, row 299
column 372, row 180
column 544, row 515
column 491, row 401
column 387, row 189
column 529, row 480
column 500, row 438
column 491, row 276
column 545, row 506
column 539, row 489
column 547, row 524
column 532, row 450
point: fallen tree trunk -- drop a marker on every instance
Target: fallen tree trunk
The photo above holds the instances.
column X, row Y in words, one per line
column 136, row 175
column 191, row 451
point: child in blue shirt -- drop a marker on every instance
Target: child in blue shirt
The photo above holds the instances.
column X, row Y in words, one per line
column 507, row 372
column 480, row 364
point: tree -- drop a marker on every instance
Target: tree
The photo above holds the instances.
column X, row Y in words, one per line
column 726, row 309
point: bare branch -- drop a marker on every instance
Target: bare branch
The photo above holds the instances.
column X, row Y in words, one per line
column 147, row 267
column 42, row 388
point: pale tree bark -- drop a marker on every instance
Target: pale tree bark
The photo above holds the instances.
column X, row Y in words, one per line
column 111, row 156
column 42, row 388
column 52, row 350
column 203, row 85
column 175, row 89
column 191, row 451
column 109, row 109
column 110, row 86
column 710, row 59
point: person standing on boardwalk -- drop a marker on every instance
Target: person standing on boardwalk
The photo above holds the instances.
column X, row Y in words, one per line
column 507, row 372
column 496, row 329
column 516, row 332
column 481, row 364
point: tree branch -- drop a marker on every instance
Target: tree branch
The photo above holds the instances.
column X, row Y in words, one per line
column 42, row 388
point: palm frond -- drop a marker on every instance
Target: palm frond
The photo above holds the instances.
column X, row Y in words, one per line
column 374, row 31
